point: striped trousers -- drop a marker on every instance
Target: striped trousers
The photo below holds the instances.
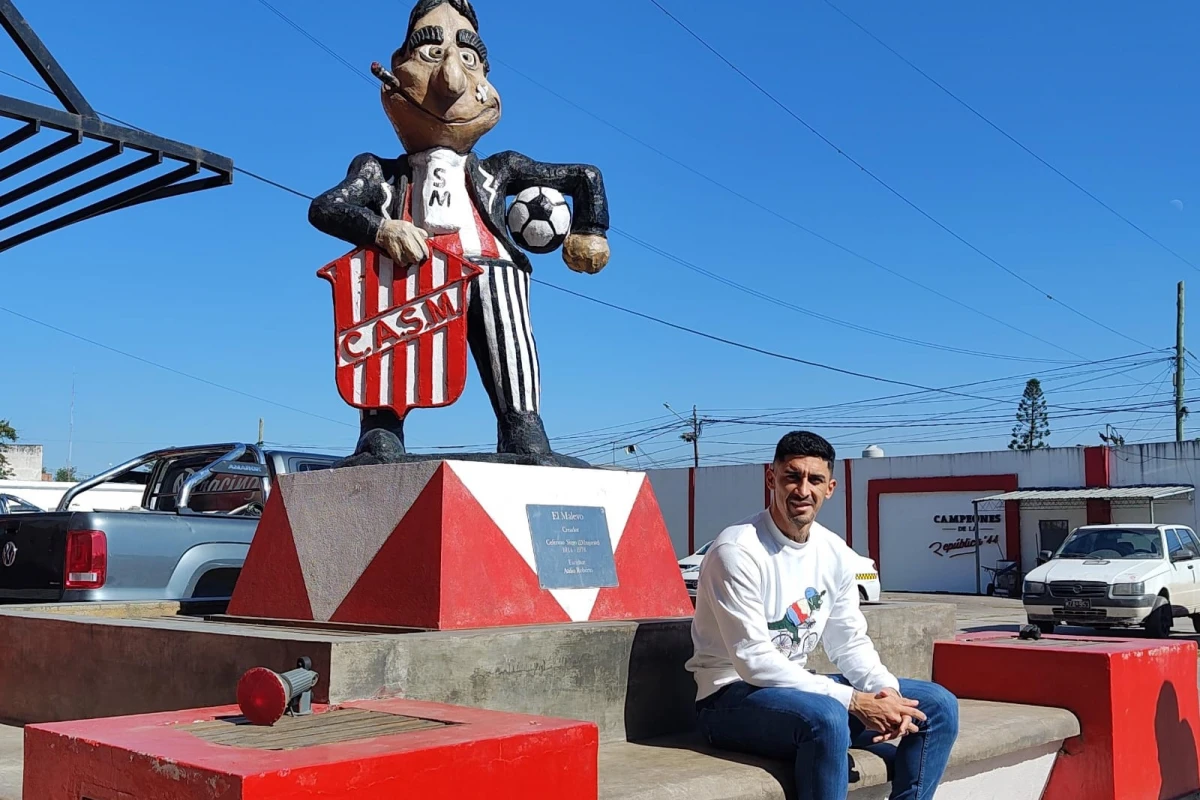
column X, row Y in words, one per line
column 500, row 335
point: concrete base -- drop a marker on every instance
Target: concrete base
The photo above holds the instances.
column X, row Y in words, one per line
column 627, row 677
column 362, row 751
column 1136, row 701
column 1003, row 752
column 447, row 545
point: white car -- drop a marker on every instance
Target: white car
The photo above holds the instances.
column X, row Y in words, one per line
column 1107, row 576
column 867, row 576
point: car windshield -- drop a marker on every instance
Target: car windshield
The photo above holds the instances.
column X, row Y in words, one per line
column 704, row 549
column 1112, row 543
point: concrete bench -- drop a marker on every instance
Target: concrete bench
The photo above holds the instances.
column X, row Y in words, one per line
column 1003, row 751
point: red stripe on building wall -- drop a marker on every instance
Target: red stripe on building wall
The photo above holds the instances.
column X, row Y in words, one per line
column 691, row 510
column 848, row 478
column 1097, row 474
column 962, row 483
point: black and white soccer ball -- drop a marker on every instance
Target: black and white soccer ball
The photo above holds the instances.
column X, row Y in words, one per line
column 539, row 219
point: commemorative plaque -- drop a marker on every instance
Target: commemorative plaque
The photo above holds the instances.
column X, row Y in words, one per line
column 572, row 547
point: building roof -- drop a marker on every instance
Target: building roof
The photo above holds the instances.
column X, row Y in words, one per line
column 1118, row 493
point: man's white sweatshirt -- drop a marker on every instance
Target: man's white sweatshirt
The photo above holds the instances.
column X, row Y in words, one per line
column 764, row 602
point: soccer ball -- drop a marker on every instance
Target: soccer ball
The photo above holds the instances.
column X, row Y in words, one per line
column 539, row 219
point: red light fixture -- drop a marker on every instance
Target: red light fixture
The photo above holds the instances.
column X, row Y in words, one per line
column 86, row 563
column 264, row 695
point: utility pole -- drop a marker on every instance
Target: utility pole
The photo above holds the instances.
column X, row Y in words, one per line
column 260, row 431
column 71, row 424
column 695, row 438
column 1180, row 364
column 691, row 435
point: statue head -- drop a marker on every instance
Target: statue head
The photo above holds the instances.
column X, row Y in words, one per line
column 440, row 95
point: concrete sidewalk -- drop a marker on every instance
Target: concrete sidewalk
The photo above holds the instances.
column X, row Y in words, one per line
column 12, row 758
column 975, row 614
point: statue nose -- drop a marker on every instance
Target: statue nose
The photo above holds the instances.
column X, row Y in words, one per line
column 450, row 81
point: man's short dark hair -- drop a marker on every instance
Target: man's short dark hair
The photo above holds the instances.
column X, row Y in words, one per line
column 801, row 444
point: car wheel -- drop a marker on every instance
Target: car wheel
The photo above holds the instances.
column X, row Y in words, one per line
column 1047, row 628
column 1158, row 623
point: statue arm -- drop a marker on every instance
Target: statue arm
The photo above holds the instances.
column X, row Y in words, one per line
column 350, row 210
column 583, row 183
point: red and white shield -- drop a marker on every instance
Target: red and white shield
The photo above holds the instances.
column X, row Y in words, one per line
column 400, row 333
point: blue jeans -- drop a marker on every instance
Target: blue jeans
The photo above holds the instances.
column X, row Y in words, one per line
column 817, row 732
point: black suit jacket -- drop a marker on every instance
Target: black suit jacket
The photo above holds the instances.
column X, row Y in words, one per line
column 353, row 210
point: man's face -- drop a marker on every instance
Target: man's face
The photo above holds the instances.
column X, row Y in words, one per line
column 444, row 99
column 799, row 487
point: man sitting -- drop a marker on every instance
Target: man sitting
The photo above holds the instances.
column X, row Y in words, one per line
column 771, row 588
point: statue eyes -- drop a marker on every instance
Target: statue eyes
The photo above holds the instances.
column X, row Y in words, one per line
column 433, row 53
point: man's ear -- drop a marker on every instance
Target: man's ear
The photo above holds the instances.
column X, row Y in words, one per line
column 832, row 485
column 769, row 479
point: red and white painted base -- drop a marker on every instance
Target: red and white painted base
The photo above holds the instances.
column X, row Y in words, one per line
column 482, row 754
column 444, row 545
column 1136, row 701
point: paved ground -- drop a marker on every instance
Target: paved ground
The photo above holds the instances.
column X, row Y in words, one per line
column 1003, row 614
column 12, row 752
column 974, row 614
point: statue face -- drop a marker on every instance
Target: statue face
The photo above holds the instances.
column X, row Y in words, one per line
column 444, row 98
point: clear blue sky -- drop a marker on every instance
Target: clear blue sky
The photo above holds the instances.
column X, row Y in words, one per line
column 222, row 284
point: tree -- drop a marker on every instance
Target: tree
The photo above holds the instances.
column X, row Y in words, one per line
column 65, row 475
column 7, row 433
column 1033, row 423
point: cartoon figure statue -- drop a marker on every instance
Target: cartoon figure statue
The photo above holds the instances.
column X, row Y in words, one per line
column 440, row 197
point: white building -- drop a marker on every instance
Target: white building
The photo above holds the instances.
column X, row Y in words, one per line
column 24, row 460
column 915, row 515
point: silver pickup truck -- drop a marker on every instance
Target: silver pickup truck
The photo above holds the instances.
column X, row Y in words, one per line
column 186, row 542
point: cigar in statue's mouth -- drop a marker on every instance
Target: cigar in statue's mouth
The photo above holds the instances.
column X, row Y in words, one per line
column 388, row 79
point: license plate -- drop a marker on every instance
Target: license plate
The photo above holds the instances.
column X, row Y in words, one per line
column 1075, row 602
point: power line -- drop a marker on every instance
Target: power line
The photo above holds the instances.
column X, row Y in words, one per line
column 910, row 397
column 319, row 43
column 884, row 183
column 296, row 26
column 815, row 314
column 305, row 196
column 1008, row 135
column 648, row 317
column 157, row 365
column 782, row 217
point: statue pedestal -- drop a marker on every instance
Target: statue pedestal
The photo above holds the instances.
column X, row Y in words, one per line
column 446, row 545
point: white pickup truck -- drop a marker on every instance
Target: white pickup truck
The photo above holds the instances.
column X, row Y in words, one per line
column 1108, row 576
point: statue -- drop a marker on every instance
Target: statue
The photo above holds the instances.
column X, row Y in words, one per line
column 434, row 237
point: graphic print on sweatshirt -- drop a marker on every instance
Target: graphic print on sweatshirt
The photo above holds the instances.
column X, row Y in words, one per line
column 793, row 635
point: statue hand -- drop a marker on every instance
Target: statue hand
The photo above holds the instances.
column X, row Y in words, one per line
column 402, row 241
column 586, row 252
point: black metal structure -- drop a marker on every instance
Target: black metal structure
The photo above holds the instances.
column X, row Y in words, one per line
column 78, row 123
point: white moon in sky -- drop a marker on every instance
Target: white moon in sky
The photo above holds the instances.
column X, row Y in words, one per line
column 1177, row 204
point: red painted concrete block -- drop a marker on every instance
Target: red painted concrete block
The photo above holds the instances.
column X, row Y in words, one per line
column 1136, row 701
column 450, row 545
column 187, row 755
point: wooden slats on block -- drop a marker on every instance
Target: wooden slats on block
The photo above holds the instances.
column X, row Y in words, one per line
column 290, row 733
